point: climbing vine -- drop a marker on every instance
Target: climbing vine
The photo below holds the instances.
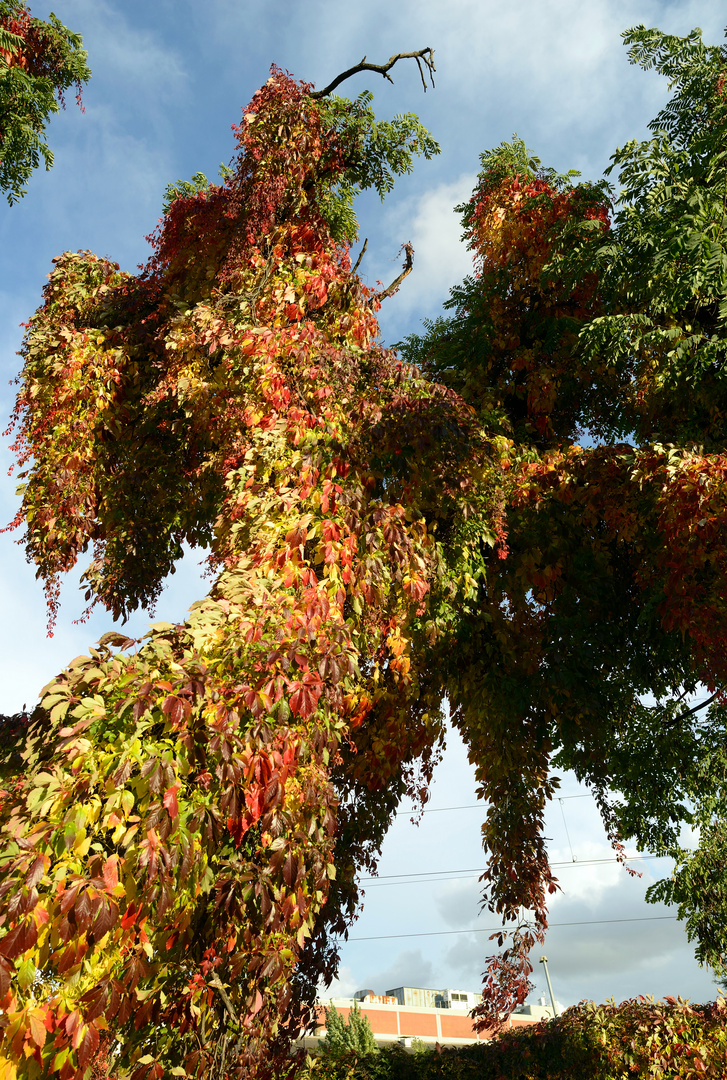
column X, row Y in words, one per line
column 185, row 816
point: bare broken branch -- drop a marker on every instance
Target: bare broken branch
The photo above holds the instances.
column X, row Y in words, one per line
column 424, row 55
column 408, row 264
column 360, row 255
column 215, row 982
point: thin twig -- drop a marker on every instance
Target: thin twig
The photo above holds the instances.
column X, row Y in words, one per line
column 360, row 255
column 427, row 55
column 408, row 263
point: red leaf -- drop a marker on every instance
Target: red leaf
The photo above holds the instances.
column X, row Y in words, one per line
column 125, row 1010
column 105, row 919
column 83, row 909
column 37, row 870
column 88, row 1046
column 18, row 940
column 170, row 800
column 67, row 959
column 72, row 1022
column 68, row 899
column 131, row 915
column 290, row 870
column 174, row 709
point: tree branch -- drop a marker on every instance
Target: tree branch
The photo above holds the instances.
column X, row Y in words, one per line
column 408, row 263
column 222, row 1059
column 425, row 55
column 696, row 708
column 215, row 982
column 360, row 255
column 689, row 712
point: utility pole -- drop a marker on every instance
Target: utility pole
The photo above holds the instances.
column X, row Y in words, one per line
column 544, row 962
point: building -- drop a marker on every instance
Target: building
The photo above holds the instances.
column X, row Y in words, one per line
column 413, row 1012
column 435, row 999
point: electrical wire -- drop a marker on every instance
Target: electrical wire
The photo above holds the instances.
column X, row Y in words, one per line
column 455, row 875
column 565, row 826
column 497, row 929
column 470, row 806
column 427, row 877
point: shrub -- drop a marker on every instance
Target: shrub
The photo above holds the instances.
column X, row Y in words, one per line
column 669, row 1039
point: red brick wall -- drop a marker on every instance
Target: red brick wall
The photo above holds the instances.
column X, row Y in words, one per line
column 453, row 1025
column 457, row 1027
column 418, row 1023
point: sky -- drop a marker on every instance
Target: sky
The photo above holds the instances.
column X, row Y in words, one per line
column 169, row 80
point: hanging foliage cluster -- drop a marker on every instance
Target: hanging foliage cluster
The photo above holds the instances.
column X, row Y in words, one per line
column 184, row 816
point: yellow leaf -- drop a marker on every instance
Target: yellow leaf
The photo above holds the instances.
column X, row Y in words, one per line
column 8, row 1071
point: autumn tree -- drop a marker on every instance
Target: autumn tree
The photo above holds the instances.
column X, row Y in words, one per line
column 185, row 816
column 39, row 62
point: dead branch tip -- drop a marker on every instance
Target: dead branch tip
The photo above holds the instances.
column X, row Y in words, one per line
column 406, row 269
column 360, row 255
column 423, row 57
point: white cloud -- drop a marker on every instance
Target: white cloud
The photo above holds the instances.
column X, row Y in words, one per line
column 342, row 987
column 121, row 49
column 31, row 658
column 410, row 967
column 427, row 221
column 603, row 941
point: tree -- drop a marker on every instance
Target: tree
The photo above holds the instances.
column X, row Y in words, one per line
column 39, row 61
column 353, row 1036
column 185, row 816
column 608, row 320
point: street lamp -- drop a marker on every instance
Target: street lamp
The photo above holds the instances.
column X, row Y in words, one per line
column 544, row 962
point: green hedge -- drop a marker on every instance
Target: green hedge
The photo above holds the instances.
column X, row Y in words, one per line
column 669, row 1039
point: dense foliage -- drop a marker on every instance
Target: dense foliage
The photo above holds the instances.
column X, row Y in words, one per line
column 584, row 317
column 185, row 816
column 669, row 1039
column 347, row 1037
column 39, row 61
column 191, row 810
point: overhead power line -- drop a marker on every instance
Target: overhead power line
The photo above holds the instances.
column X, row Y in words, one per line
column 472, row 806
column 452, row 875
column 497, row 929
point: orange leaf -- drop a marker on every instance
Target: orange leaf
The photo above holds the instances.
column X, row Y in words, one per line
column 38, row 1030
column 111, row 872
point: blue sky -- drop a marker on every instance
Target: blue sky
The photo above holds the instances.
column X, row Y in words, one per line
column 170, row 78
